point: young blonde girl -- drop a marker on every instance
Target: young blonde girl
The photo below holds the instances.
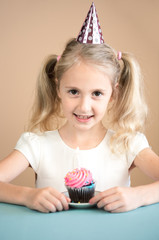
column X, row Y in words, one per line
column 88, row 83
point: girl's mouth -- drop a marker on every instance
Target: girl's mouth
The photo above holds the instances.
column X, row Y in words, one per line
column 83, row 118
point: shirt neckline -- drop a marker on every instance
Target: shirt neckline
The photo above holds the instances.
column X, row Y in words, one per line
column 83, row 150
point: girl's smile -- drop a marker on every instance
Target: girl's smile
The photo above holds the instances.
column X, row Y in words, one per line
column 85, row 93
column 83, row 118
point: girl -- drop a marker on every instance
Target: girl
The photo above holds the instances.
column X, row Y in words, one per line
column 87, row 84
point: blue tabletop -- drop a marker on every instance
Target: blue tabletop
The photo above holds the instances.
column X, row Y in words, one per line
column 21, row 223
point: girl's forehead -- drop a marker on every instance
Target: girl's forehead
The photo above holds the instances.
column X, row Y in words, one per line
column 84, row 69
column 86, row 76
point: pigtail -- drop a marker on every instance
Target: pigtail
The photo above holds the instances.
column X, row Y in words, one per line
column 129, row 108
column 47, row 104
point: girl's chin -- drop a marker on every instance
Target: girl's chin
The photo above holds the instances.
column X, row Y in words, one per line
column 83, row 125
column 82, row 128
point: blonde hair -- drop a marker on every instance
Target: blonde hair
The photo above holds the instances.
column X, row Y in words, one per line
column 127, row 111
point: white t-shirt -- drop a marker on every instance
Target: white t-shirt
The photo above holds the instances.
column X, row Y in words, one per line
column 51, row 159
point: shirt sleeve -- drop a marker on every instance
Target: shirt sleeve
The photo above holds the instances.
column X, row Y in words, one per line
column 29, row 145
column 138, row 143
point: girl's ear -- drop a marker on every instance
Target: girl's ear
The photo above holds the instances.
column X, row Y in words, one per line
column 114, row 92
column 116, row 87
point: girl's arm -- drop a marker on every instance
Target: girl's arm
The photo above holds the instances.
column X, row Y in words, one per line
column 148, row 162
column 11, row 167
column 121, row 199
column 44, row 200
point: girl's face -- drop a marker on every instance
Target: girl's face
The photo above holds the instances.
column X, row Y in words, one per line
column 85, row 93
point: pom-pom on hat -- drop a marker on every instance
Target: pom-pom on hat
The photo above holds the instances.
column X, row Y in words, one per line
column 91, row 31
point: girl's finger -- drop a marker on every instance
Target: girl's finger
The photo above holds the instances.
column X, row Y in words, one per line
column 47, row 206
column 101, row 195
column 62, row 199
column 107, row 200
column 118, row 210
column 68, row 199
column 57, row 199
column 113, row 206
column 50, row 200
column 57, row 203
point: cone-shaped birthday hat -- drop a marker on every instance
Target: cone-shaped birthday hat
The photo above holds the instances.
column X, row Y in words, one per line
column 91, row 31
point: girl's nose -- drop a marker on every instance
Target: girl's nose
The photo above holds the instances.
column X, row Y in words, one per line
column 85, row 105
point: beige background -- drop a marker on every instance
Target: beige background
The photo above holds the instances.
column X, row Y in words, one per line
column 32, row 29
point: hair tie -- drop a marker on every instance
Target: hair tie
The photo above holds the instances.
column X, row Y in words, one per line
column 119, row 55
column 58, row 58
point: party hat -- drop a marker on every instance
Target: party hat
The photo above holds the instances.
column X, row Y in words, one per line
column 91, row 31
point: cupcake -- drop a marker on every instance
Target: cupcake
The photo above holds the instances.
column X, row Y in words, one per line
column 80, row 185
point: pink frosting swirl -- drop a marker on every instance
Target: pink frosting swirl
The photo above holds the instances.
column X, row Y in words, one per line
column 78, row 178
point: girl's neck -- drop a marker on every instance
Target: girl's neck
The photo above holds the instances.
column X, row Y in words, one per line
column 83, row 139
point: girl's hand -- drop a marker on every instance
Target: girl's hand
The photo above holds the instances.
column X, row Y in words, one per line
column 46, row 200
column 118, row 199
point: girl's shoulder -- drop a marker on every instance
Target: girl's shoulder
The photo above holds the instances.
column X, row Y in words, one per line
column 139, row 142
column 137, row 137
column 32, row 137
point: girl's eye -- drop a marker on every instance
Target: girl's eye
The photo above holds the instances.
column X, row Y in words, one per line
column 97, row 94
column 73, row 91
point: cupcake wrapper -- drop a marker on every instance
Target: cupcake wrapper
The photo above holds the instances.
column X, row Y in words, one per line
column 82, row 195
